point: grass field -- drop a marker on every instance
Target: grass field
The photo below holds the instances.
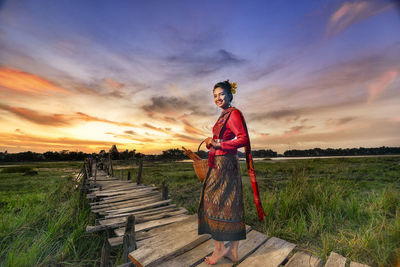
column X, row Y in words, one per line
column 348, row 205
column 42, row 220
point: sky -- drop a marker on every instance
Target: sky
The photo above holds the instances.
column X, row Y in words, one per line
column 84, row 75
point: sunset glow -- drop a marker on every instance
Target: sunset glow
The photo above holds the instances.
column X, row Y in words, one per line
column 83, row 76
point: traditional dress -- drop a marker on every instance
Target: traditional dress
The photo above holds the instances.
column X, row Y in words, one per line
column 221, row 209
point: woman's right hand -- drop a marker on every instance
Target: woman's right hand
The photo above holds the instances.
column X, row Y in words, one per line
column 208, row 142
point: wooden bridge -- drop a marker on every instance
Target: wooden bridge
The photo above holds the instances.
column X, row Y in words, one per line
column 154, row 232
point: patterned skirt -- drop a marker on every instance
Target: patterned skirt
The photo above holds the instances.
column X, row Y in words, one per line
column 221, row 210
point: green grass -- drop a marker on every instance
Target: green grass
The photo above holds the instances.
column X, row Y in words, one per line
column 42, row 221
column 347, row 205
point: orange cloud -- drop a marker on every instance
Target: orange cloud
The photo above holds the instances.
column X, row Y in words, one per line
column 57, row 119
column 113, row 83
column 189, row 128
column 381, row 83
column 46, row 143
column 36, row 117
column 154, row 128
column 85, row 117
column 27, row 83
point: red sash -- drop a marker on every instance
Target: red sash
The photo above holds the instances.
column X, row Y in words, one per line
column 249, row 159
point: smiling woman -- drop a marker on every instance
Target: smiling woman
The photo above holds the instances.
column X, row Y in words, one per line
column 221, row 206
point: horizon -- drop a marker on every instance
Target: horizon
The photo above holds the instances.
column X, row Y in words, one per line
column 84, row 76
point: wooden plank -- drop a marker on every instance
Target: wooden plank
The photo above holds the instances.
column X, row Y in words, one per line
column 129, row 191
column 356, row 264
column 122, row 187
column 335, row 260
column 254, row 240
column 138, row 219
column 126, row 204
column 122, row 198
column 151, row 205
column 153, row 224
column 144, row 212
column 196, row 255
column 168, row 244
column 301, row 259
column 116, row 241
column 151, row 210
column 270, row 254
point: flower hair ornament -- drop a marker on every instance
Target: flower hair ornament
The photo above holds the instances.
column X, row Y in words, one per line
column 233, row 87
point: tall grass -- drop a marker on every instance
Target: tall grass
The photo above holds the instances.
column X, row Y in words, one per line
column 322, row 215
column 43, row 222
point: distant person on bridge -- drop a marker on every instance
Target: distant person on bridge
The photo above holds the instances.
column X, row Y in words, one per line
column 221, row 208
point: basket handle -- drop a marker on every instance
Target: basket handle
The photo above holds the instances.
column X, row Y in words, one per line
column 198, row 149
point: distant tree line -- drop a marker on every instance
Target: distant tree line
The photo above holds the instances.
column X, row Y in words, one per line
column 177, row 154
column 384, row 150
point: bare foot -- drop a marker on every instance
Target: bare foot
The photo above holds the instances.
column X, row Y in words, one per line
column 232, row 255
column 216, row 256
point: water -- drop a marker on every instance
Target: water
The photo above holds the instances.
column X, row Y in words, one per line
column 316, row 157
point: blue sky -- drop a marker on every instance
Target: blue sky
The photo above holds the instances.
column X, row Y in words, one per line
column 82, row 75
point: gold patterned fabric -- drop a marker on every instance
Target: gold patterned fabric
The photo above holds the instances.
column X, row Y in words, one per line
column 221, row 210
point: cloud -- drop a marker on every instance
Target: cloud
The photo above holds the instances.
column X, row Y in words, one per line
column 36, row 117
column 167, row 104
column 294, row 114
column 339, row 121
column 56, row 119
column 149, row 126
column 129, row 136
column 23, row 82
column 377, row 86
column 113, row 83
column 190, row 129
column 85, row 117
column 350, row 13
column 295, row 130
column 187, row 138
column 46, row 143
column 201, row 65
column 130, row 132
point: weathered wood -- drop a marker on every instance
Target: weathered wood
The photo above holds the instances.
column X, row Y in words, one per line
column 151, row 205
column 108, row 194
column 123, row 187
column 335, row 260
column 128, row 264
column 195, row 257
column 153, row 224
column 124, row 204
column 356, row 264
column 111, row 165
column 301, row 259
column 139, row 177
column 129, row 238
column 124, row 198
column 184, row 238
column 105, row 254
column 155, row 210
column 270, row 254
column 116, row 223
column 141, row 235
column 118, row 240
column 129, row 176
column 164, row 190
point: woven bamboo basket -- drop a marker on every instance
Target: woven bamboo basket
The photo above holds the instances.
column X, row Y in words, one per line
column 200, row 165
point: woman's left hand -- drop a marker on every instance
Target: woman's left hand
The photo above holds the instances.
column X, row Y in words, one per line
column 215, row 144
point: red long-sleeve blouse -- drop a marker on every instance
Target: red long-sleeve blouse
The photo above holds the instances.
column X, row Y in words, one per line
column 234, row 135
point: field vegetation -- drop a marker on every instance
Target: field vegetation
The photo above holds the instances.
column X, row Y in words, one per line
column 347, row 205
